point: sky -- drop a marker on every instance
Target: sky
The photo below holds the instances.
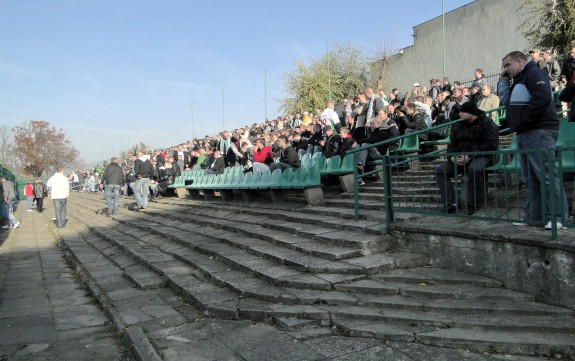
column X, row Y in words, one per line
column 114, row 73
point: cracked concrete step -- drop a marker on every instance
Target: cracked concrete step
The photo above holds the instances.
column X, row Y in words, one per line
column 418, row 321
column 252, row 250
column 501, row 342
column 134, row 243
column 433, row 291
column 455, row 306
column 318, row 215
column 284, row 239
column 325, row 229
column 437, row 276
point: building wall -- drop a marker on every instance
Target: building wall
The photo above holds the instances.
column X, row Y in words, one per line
column 477, row 35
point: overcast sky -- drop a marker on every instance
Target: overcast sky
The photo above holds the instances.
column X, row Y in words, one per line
column 113, row 73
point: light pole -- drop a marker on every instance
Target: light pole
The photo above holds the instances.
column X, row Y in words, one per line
column 193, row 125
column 328, row 71
column 223, row 111
column 266, row 94
column 443, row 32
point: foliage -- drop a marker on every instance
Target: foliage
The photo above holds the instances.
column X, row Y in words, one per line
column 308, row 86
column 41, row 148
column 550, row 24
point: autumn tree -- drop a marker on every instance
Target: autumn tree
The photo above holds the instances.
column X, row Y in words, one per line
column 343, row 72
column 41, row 148
column 550, row 23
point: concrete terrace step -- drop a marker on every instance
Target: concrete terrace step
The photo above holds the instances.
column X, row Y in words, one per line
column 290, row 257
column 420, row 304
column 310, row 215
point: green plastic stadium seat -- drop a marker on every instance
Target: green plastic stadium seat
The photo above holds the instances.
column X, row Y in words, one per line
column 287, row 176
column 297, row 179
column 408, row 145
column 305, row 157
column 332, row 166
column 312, row 177
column 264, row 179
column 274, row 180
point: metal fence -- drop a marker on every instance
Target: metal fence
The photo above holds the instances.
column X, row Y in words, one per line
column 498, row 192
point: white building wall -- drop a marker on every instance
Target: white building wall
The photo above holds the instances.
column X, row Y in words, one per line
column 477, row 35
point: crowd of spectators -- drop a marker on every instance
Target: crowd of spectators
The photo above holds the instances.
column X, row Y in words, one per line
column 365, row 118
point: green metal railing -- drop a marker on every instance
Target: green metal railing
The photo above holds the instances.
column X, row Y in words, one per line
column 501, row 206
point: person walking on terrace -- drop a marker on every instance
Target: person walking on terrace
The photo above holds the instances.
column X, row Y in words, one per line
column 9, row 202
column 59, row 191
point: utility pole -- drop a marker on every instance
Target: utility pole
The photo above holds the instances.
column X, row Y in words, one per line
column 223, row 112
column 443, row 32
column 328, row 71
column 266, row 94
column 193, row 124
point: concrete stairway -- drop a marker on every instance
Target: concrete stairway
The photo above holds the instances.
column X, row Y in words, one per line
column 309, row 268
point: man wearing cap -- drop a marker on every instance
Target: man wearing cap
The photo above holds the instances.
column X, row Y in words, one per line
column 537, row 58
column 474, row 133
column 414, row 93
column 552, row 67
column 525, row 91
column 111, row 181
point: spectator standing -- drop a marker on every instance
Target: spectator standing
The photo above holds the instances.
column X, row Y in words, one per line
column 568, row 77
column 537, row 58
column 552, row 67
column 375, row 103
column 40, row 192
column 10, row 200
column 111, row 181
column 29, row 193
column 329, row 116
column 525, row 90
column 59, row 191
column 479, row 80
column 142, row 171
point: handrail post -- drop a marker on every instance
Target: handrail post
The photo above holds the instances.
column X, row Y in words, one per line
column 550, row 155
column 355, row 188
column 389, row 217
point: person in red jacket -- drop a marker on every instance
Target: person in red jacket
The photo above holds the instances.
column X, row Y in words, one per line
column 263, row 156
column 29, row 193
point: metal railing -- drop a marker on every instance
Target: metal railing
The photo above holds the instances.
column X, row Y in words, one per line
column 502, row 200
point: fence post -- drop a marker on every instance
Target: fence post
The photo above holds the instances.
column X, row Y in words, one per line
column 388, row 192
column 550, row 157
column 355, row 188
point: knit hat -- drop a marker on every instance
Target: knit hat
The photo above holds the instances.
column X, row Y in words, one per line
column 469, row 108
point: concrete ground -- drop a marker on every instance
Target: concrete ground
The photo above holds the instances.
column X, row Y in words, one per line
column 46, row 314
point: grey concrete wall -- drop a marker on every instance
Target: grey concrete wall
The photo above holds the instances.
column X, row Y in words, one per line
column 478, row 35
column 546, row 271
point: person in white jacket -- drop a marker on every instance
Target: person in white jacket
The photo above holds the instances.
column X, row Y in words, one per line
column 59, row 191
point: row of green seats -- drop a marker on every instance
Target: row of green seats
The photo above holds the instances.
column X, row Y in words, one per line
column 330, row 166
column 235, row 178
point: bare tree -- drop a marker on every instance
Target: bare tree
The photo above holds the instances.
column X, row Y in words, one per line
column 382, row 54
column 5, row 145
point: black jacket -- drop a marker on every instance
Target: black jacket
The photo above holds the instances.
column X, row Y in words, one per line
column 143, row 169
column 39, row 190
column 113, row 175
column 290, row 157
column 377, row 135
column 482, row 135
column 333, row 146
column 219, row 165
column 315, row 138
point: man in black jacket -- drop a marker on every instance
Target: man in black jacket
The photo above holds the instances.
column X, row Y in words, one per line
column 474, row 133
column 568, row 77
column 143, row 170
column 380, row 132
column 111, row 181
column 288, row 156
column 332, row 145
